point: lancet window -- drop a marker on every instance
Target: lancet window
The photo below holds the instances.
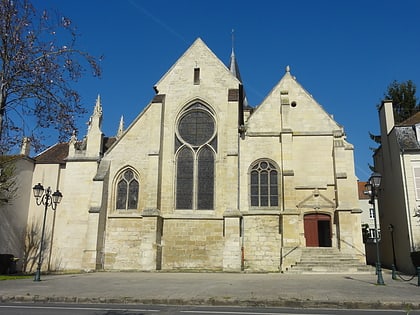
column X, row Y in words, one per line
column 264, row 184
column 127, row 190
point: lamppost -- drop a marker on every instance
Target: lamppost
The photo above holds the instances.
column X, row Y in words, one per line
column 371, row 188
column 47, row 199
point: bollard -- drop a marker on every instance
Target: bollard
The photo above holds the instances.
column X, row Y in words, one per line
column 418, row 276
column 394, row 272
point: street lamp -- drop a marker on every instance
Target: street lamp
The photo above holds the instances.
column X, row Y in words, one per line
column 47, row 199
column 371, row 189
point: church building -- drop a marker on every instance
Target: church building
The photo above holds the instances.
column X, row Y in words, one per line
column 201, row 181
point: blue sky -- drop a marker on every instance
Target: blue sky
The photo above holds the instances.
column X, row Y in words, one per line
column 344, row 53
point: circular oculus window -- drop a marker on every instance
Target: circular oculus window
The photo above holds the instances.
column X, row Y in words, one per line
column 196, row 127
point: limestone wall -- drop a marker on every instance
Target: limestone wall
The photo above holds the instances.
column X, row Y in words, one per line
column 262, row 243
column 192, row 244
column 122, row 248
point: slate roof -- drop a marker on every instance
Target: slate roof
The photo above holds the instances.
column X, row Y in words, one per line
column 405, row 132
column 406, row 138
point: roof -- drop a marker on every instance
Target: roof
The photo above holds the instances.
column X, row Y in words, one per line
column 9, row 158
column 107, row 143
column 406, row 135
column 234, row 68
column 406, row 138
column 411, row 121
column 59, row 152
column 53, row 155
column 361, row 190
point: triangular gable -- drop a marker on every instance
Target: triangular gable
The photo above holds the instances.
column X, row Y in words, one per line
column 303, row 113
column 199, row 56
column 316, row 201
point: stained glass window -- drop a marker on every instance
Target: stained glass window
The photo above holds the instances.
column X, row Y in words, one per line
column 127, row 191
column 185, row 179
column 205, row 179
column 195, row 145
column 264, row 185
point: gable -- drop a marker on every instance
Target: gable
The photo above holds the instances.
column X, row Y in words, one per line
column 290, row 107
column 180, row 80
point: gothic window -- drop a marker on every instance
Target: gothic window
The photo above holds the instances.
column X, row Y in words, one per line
column 195, row 145
column 127, row 190
column 264, row 185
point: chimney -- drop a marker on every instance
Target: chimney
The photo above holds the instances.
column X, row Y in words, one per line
column 26, row 146
column 386, row 117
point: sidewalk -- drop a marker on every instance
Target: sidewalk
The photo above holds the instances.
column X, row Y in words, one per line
column 308, row 290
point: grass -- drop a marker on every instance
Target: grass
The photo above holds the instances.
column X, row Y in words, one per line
column 14, row 277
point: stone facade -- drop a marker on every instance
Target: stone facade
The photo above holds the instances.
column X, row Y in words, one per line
column 201, row 181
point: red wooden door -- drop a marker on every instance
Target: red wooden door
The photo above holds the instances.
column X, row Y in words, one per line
column 311, row 230
column 317, row 234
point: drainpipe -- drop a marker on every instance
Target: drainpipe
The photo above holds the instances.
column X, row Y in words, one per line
column 238, row 202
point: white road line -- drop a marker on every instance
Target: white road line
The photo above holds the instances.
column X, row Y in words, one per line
column 79, row 308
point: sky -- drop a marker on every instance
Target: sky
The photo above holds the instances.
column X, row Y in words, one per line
column 344, row 53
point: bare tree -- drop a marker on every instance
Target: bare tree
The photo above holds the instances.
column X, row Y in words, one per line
column 39, row 59
column 8, row 186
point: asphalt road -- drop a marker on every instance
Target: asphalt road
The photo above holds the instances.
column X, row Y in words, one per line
column 111, row 309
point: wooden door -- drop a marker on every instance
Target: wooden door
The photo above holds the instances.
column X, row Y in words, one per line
column 317, row 230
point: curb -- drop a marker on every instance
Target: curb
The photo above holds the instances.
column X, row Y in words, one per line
column 293, row 303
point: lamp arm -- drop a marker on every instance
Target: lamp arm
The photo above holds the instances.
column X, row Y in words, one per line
column 39, row 200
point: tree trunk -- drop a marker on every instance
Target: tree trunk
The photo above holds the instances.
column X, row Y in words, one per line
column 2, row 111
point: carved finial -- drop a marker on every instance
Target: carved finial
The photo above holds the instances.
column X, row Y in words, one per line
column 233, row 41
column 287, row 68
column 26, row 146
column 73, row 138
column 120, row 127
column 98, row 106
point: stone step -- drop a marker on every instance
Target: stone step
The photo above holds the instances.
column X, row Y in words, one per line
column 328, row 260
column 331, row 271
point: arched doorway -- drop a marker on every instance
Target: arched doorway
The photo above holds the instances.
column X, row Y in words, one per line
column 317, row 230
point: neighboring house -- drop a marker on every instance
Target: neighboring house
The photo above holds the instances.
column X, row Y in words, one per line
column 368, row 214
column 202, row 181
column 14, row 210
column 398, row 160
column 368, row 224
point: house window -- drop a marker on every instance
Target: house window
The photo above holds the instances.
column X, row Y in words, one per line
column 127, row 190
column 195, row 149
column 264, row 185
column 416, row 173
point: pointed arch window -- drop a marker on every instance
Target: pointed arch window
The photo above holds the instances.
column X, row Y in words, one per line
column 127, row 190
column 264, row 184
column 195, row 149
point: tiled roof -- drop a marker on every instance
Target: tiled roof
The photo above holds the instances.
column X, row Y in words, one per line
column 411, row 121
column 58, row 152
column 54, row 155
column 9, row 158
column 361, row 189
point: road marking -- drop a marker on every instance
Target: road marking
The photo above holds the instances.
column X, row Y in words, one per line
column 80, row 308
column 249, row 313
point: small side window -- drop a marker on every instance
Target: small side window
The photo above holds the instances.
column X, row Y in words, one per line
column 196, row 76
